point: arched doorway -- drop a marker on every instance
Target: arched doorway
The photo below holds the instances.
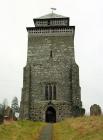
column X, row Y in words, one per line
column 50, row 115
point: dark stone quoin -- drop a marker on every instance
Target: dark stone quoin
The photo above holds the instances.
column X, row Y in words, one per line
column 51, row 76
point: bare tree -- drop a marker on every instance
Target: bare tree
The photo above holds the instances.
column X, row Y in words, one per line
column 1, row 114
column 5, row 103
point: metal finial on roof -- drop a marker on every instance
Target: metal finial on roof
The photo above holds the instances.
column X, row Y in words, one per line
column 53, row 9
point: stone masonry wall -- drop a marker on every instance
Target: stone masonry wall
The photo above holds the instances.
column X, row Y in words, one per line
column 50, row 59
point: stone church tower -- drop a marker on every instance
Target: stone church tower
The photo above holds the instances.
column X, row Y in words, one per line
column 51, row 76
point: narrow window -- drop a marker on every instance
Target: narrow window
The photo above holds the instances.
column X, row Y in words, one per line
column 48, row 22
column 46, row 92
column 50, row 92
column 54, row 92
column 51, row 54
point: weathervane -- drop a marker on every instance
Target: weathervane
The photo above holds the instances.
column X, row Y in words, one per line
column 53, row 9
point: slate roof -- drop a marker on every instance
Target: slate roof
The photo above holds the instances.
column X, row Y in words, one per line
column 51, row 15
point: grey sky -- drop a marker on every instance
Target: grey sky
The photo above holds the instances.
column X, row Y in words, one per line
column 86, row 15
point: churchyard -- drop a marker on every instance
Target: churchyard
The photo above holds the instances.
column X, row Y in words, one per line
column 80, row 128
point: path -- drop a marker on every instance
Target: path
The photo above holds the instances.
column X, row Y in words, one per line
column 46, row 133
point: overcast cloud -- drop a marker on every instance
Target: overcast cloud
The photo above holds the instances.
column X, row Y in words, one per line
column 86, row 15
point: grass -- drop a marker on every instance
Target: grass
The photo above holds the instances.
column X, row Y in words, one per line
column 21, row 130
column 81, row 128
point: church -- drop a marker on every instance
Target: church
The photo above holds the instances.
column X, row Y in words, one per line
column 51, row 76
